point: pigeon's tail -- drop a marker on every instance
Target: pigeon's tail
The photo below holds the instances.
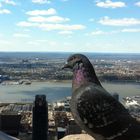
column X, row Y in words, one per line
column 133, row 132
column 135, row 129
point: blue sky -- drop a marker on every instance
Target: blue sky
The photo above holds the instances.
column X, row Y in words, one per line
column 70, row 25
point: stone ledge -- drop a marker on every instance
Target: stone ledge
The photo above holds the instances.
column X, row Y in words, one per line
column 78, row 137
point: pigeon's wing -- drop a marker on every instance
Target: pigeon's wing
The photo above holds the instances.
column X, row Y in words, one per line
column 100, row 112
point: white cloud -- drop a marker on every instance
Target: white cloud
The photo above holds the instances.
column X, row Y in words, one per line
column 7, row 2
column 1, row 35
column 21, row 35
column 98, row 32
column 65, row 32
column 53, row 19
column 42, row 40
column 91, row 19
column 10, row 2
column 38, row 20
column 33, row 43
column 110, row 4
column 131, row 30
column 119, row 22
column 137, row 3
column 27, row 24
column 5, row 11
column 41, row 1
column 50, row 11
column 4, row 42
column 64, row 0
column 49, row 27
column 52, row 43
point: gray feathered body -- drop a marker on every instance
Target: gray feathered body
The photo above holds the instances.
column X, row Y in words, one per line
column 100, row 114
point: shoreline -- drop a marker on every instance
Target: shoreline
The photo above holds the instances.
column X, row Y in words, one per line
column 14, row 82
column 70, row 81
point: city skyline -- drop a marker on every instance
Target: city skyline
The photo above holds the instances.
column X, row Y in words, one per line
column 70, row 26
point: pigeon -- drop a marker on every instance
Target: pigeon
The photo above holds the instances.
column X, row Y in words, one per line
column 94, row 109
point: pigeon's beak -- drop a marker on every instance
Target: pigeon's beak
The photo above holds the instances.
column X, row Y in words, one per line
column 67, row 65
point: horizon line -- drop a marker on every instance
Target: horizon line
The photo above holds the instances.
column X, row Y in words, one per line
column 68, row 52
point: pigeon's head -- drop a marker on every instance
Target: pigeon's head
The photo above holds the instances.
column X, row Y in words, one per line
column 75, row 61
column 83, row 70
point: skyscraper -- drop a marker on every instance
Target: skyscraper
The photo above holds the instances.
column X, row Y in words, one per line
column 40, row 118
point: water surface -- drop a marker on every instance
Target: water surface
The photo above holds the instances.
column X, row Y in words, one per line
column 57, row 91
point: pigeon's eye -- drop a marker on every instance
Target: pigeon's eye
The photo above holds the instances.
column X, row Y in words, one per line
column 71, row 59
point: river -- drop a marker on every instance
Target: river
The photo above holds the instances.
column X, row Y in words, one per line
column 57, row 91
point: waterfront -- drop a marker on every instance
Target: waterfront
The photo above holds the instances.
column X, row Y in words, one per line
column 57, row 91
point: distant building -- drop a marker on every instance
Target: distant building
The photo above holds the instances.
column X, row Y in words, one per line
column 60, row 132
column 40, row 118
column 4, row 77
column 73, row 128
column 10, row 123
